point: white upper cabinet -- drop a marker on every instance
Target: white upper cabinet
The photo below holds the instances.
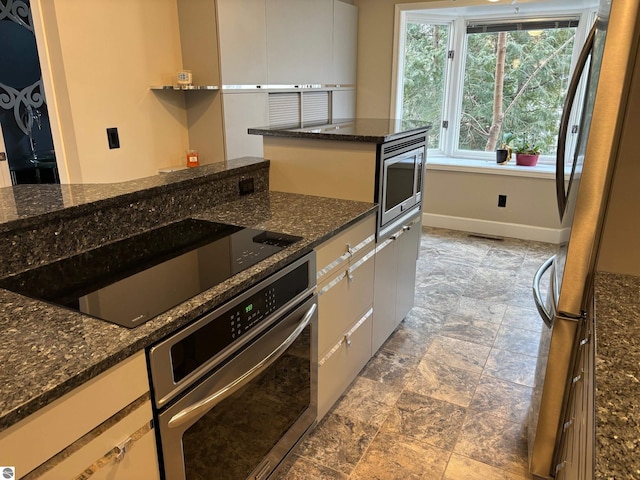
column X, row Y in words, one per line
column 242, row 27
column 299, row 41
column 345, row 43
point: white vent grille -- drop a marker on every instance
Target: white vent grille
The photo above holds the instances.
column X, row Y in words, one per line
column 315, row 107
column 284, row 108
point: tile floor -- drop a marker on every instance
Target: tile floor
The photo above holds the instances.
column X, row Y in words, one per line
column 446, row 396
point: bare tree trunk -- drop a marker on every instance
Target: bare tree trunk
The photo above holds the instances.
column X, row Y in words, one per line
column 498, row 114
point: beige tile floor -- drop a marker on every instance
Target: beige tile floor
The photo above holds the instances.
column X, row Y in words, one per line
column 446, row 396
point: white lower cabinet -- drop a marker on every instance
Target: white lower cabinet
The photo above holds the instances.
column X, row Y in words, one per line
column 126, row 450
column 341, row 364
column 85, row 430
column 395, row 280
column 345, row 300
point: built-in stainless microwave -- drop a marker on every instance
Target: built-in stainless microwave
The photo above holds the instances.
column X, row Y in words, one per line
column 401, row 181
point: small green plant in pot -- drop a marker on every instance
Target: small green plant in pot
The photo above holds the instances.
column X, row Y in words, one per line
column 527, row 153
column 503, row 153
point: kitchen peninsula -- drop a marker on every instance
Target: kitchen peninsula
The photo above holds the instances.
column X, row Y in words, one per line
column 68, row 377
column 337, row 159
column 366, row 159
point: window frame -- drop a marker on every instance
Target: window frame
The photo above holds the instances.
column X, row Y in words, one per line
column 454, row 71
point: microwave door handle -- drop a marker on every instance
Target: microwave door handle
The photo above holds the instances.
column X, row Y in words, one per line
column 537, row 297
column 561, row 194
column 196, row 409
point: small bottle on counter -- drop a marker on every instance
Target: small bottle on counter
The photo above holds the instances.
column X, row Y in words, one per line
column 192, row 158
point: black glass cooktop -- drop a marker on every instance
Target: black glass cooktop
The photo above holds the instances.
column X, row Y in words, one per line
column 135, row 279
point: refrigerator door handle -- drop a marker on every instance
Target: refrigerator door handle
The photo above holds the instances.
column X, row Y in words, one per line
column 546, row 316
column 561, row 194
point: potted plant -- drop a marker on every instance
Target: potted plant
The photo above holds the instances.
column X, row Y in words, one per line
column 527, row 153
column 503, row 154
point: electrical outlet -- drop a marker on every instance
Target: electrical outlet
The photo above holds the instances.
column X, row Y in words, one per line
column 113, row 138
column 246, row 186
column 502, row 200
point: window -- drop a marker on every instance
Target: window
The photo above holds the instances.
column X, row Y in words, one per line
column 476, row 78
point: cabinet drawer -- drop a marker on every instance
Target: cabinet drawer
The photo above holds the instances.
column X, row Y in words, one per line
column 100, row 454
column 344, row 298
column 336, row 252
column 43, row 434
column 342, row 363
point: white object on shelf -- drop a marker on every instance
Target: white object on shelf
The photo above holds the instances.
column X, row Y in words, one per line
column 185, row 87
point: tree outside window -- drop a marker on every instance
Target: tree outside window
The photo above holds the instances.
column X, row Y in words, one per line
column 515, row 81
column 514, row 76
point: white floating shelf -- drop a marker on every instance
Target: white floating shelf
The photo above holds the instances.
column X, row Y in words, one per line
column 185, row 87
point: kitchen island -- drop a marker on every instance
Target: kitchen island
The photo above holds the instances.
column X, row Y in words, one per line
column 49, row 351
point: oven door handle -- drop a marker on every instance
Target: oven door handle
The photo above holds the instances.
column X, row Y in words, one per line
column 194, row 410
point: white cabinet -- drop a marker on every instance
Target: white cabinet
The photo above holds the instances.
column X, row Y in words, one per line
column 345, row 299
column 243, row 110
column 299, row 41
column 395, row 278
column 242, row 27
column 343, row 104
column 345, row 43
column 84, row 429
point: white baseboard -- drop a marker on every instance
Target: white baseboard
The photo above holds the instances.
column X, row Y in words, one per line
column 496, row 229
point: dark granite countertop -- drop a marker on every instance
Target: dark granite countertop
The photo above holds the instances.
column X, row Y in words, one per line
column 26, row 205
column 368, row 130
column 48, row 351
column 617, row 376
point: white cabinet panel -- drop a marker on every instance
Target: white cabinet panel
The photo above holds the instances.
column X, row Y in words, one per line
column 342, row 364
column 299, row 41
column 46, row 432
column 241, row 112
column 345, row 43
column 343, row 104
column 385, row 293
column 408, row 246
column 243, row 49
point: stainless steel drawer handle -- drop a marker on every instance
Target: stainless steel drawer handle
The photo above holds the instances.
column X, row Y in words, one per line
column 194, row 410
column 347, row 339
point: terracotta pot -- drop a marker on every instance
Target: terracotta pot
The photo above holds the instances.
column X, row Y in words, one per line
column 526, row 160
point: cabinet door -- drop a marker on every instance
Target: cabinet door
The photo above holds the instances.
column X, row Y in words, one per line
column 242, row 31
column 343, row 104
column 338, row 368
column 299, row 41
column 384, row 298
column 241, row 112
column 342, row 299
column 345, row 43
column 99, row 455
column 408, row 245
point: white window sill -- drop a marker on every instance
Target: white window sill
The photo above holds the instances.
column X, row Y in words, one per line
column 490, row 167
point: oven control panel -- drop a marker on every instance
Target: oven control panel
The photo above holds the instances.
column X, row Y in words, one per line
column 221, row 329
column 252, row 312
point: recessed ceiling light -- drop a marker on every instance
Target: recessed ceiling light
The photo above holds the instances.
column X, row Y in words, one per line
column 494, row 1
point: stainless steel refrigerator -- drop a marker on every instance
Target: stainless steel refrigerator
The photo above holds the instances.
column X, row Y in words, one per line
column 605, row 72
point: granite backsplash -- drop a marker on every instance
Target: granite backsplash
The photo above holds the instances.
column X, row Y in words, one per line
column 44, row 223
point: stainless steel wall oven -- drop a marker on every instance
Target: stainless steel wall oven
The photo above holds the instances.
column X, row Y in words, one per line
column 236, row 390
column 400, row 181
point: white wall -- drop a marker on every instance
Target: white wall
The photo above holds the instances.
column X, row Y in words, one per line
column 460, row 200
column 469, row 201
column 104, row 55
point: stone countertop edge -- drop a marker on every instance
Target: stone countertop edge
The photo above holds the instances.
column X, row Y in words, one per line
column 363, row 130
column 48, row 351
column 377, row 139
column 72, row 200
column 617, row 376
